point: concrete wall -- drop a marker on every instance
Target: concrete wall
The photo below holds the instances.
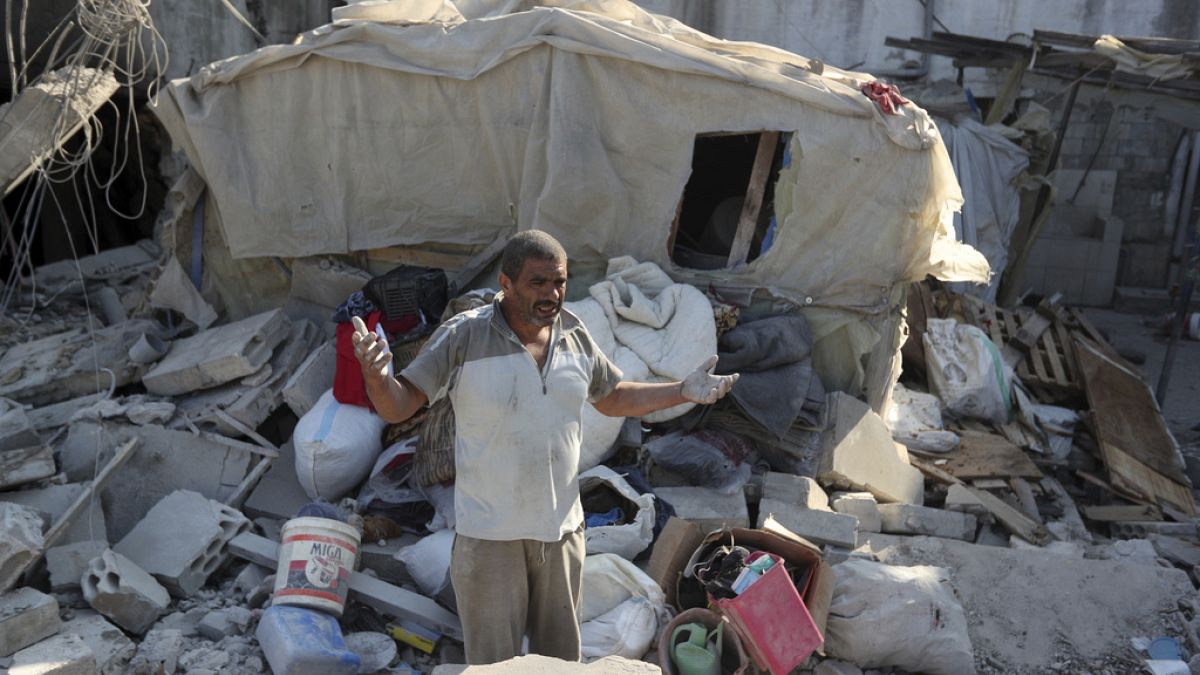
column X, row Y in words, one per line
column 850, row 33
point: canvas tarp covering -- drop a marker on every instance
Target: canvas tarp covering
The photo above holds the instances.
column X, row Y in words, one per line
column 578, row 119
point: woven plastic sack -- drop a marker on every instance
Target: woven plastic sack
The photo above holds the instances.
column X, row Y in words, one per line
column 966, row 371
column 434, row 459
column 336, row 446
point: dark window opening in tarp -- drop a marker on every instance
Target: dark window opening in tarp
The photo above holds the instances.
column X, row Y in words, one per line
column 726, row 215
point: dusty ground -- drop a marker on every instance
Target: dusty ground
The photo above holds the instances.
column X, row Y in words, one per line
column 1140, row 334
column 1038, row 611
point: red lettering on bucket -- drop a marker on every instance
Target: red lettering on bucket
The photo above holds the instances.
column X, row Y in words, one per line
column 322, row 539
column 306, row 592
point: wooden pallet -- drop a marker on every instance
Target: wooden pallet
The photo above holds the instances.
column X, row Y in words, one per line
column 1049, row 367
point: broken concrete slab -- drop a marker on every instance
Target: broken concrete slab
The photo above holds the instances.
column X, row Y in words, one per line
column 961, row 499
column 1056, row 605
column 183, row 539
column 797, row 490
column 111, row 265
column 250, row 400
column 1143, row 529
column 222, row 623
column 311, row 379
column 218, row 355
column 45, row 115
column 861, row 505
column 27, row 616
column 20, row 541
column 818, row 526
column 158, row 653
column 380, row 558
column 60, row 655
column 325, row 281
column 278, row 494
column 1176, row 550
column 52, row 416
column 165, row 461
column 53, row 501
column 124, row 592
column 912, row 519
column 709, row 509
column 16, row 429
column 68, row 563
column 113, row 650
column 25, row 465
column 857, row 452
column 65, row 365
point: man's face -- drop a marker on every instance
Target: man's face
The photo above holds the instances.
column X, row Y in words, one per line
column 538, row 292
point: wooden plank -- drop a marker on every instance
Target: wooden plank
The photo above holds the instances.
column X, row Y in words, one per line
column 380, row 595
column 1126, row 472
column 768, row 141
column 25, row 465
column 985, row 455
column 1122, row 513
column 421, row 257
column 1128, row 419
column 1056, row 366
column 1013, row 520
column 479, row 261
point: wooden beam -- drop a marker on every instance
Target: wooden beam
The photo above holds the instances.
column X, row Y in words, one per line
column 1122, row 513
column 477, row 263
column 1012, row 519
column 748, row 222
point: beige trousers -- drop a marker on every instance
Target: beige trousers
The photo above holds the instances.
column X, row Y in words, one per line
column 508, row 589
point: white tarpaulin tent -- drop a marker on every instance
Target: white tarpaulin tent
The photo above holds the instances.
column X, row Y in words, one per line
column 420, row 122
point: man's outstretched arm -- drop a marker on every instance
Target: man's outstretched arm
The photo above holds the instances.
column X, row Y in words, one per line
column 635, row 399
column 395, row 399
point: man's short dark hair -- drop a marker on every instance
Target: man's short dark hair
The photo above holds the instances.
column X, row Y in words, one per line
column 529, row 244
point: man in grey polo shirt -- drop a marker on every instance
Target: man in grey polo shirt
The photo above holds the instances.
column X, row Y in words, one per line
column 518, row 373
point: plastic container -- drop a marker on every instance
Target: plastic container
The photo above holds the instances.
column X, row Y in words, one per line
column 776, row 628
column 733, row 656
column 316, row 557
column 300, row 641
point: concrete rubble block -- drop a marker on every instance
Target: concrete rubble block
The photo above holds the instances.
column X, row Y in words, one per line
column 278, row 494
column 222, row 623
column 114, row 264
column 857, row 452
column 63, row 366
column 68, row 563
column 124, row 592
column 912, row 519
column 1177, row 550
column 183, row 540
column 27, row 616
column 218, row 355
column 166, row 460
column 819, row 527
column 793, row 489
column 53, row 501
column 959, row 498
column 861, row 505
column 25, row 465
column 49, row 418
column 709, row 509
column 326, row 281
column 252, row 399
column 250, row 578
column 60, row 655
column 158, row 653
column 20, row 541
column 16, row 428
column 113, row 650
column 380, row 558
column 1140, row 529
column 311, row 379
column 205, row 660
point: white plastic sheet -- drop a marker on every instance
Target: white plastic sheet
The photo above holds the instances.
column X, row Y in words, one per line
column 577, row 117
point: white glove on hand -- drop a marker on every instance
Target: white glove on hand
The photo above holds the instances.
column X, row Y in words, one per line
column 705, row 388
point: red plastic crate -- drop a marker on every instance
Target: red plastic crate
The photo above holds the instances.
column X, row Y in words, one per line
column 777, row 629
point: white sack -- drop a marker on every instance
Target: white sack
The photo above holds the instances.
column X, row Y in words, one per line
column 903, row 617
column 966, row 371
column 624, row 540
column 613, row 602
column 336, row 445
column 428, row 561
column 626, row 630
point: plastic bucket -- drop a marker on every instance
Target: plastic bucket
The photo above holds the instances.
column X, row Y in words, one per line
column 316, row 556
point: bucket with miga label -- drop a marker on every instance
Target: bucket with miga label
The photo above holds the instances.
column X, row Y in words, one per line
column 316, row 556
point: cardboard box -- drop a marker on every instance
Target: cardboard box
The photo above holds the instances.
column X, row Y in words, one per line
column 675, row 546
column 818, row 590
